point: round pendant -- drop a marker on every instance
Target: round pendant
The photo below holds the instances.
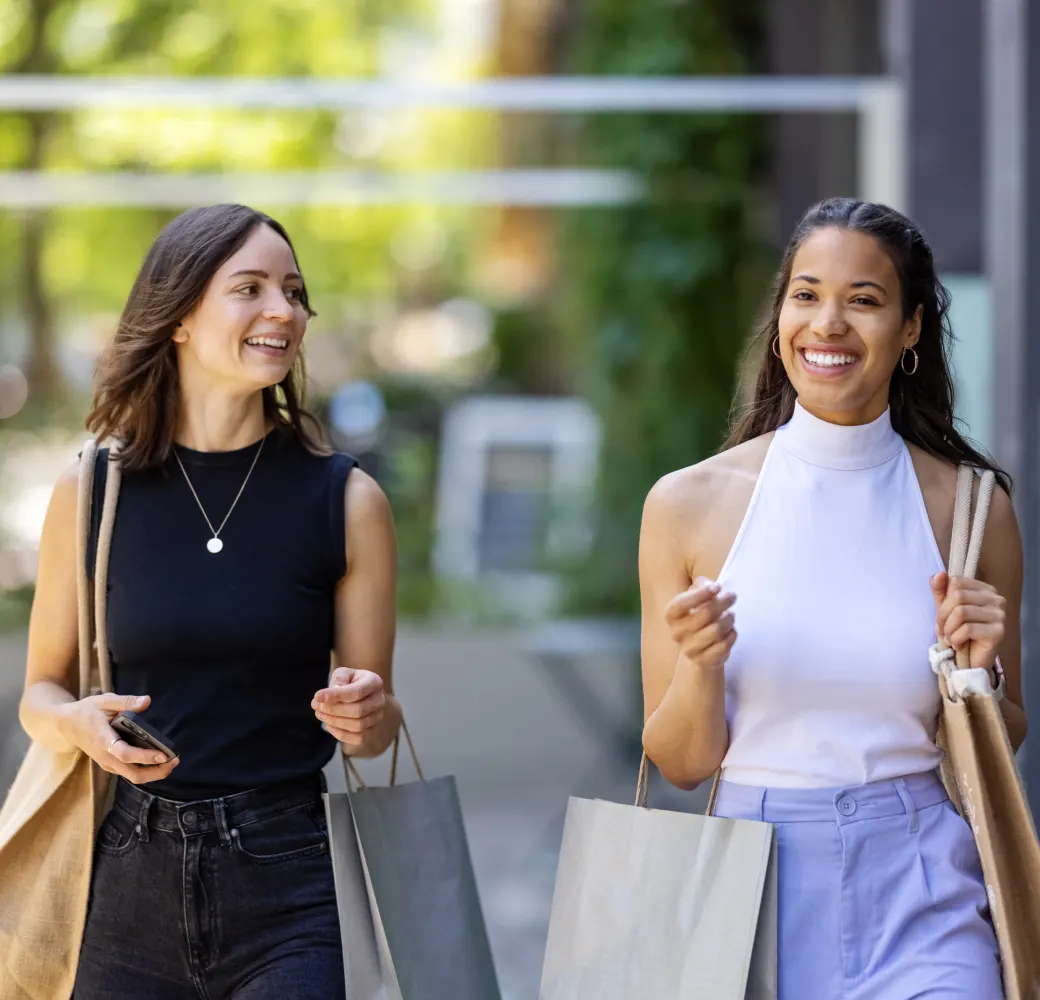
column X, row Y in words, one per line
column 214, row 545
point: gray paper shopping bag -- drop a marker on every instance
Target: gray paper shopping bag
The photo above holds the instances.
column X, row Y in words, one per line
column 661, row 906
column 367, row 967
column 423, row 892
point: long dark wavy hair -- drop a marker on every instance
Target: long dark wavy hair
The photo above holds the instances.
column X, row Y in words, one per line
column 922, row 403
column 136, row 396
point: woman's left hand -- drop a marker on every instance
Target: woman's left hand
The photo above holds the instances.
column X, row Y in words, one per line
column 352, row 706
column 969, row 612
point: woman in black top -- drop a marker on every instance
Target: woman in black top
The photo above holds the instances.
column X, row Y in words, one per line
column 244, row 551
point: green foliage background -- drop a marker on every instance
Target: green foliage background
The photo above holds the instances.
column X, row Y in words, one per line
column 90, row 255
column 661, row 296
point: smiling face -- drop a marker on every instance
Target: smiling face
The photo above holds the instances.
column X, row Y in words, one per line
column 247, row 327
column 842, row 328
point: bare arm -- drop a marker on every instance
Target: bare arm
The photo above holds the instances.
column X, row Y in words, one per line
column 991, row 605
column 358, row 707
column 50, row 711
column 687, row 633
column 1001, row 565
column 52, row 668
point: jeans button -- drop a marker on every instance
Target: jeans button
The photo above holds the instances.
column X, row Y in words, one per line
column 846, row 805
column 190, row 818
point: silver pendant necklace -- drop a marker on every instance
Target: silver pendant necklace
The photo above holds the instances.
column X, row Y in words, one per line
column 215, row 544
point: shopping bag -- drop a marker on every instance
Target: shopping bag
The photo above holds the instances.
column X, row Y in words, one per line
column 661, row 905
column 982, row 777
column 367, row 966
column 426, row 938
column 51, row 812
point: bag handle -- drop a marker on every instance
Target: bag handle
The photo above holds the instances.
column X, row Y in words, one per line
column 965, row 547
column 643, row 786
column 84, row 498
column 352, row 772
column 92, row 600
column 113, row 481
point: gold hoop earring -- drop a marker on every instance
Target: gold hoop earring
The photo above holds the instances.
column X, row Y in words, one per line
column 902, row 361
column 776, row 346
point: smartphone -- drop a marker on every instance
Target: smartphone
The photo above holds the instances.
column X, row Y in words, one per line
column 138, row 733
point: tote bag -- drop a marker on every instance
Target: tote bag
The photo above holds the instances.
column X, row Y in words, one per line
column 661, row 905
column 982, row 778
column 410, row 916
column 50, row 815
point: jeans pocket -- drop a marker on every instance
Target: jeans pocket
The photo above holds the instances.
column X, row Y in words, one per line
column 951, row 858
column 297, row 833
column 119, row 833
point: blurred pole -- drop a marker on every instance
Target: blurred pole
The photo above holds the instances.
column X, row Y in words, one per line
column 519, row 260
column 939, row 57
column 1012, row 151
column 935, row 47
column 847, row 153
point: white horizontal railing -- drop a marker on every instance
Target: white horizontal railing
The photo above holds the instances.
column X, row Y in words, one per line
column 879, row 103
column 39, row 189
column 555, row 94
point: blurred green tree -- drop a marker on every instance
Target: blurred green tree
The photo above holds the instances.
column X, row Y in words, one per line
column 658, row 297
column 76, row 264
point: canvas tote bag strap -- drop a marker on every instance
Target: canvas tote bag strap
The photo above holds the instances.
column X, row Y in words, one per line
column 84, row 498
column 966, row 548
column 968, row 532
column 353, row 777
column 113, row 481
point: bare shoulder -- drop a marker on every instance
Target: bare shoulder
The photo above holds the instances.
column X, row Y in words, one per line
column 369, row 531
column 65, row 498
column 700, row 486
column 1002, row 516
column 1002, row 543
column 59, row 537
column 366, row 503
column 936, row 475
column 68, row 482
column 702, row 506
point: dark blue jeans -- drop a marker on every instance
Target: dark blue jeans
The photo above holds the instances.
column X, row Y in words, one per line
column 221, row 899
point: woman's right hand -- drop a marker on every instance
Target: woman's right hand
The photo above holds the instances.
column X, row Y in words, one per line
column 702, row 623
column 87, row 724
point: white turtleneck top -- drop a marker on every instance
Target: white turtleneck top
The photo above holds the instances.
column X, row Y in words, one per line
column 829, row 682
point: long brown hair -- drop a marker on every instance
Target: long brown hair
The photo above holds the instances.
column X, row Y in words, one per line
column 136, row 396
column 921, row 404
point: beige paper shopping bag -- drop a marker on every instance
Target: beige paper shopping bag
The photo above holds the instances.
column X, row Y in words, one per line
column 661, row 905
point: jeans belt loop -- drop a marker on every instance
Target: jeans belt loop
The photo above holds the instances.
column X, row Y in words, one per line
column 142, row 817
column 220, row 809
column 908, row 804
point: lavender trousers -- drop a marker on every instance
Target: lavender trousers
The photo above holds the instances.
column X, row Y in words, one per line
column 881, row 895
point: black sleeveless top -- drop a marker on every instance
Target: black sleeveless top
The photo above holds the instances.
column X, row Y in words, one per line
column 231, row 646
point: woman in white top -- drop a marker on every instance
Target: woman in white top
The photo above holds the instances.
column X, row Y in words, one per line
column 828, row 515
